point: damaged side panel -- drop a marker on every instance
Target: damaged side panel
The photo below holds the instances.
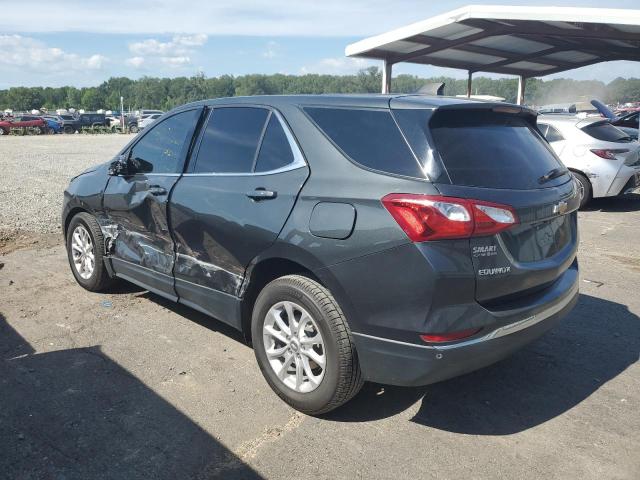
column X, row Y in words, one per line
column 136, row 230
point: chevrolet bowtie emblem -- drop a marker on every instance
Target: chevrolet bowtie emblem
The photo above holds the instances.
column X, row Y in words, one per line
column 560, row 207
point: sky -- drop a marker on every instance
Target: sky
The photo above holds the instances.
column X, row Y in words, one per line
column 84, row 42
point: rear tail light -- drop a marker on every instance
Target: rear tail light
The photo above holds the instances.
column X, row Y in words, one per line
column 450, row 336
column 435, row 217
column 609, row 154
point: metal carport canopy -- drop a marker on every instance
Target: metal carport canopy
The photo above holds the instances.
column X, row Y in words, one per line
column 523, row 41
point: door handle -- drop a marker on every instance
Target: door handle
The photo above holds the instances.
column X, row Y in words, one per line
column 157, row 190
column 262, row 194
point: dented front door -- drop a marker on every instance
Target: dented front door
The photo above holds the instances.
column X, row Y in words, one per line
column 139, row 241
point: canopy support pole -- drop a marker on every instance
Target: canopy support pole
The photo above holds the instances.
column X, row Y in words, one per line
column 387, row 69
column 522, row 84
column 469, row 80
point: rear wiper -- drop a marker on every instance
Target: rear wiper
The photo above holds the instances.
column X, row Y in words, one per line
column 551, row 174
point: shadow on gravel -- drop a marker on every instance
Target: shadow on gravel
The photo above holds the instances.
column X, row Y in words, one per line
column 627, row 203
column 76, row 414
column 593, row 345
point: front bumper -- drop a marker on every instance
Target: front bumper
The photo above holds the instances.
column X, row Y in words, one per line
column 394, row 362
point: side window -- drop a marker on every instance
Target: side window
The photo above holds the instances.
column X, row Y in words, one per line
column 544, row 128
column 553, row 135
column 275, row 151
column 231, row 139
column 369, row 137
column 160, row 150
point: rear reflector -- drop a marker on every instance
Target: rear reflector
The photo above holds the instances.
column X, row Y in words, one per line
column 609, row 154
column 449, row 337
column 435, row 217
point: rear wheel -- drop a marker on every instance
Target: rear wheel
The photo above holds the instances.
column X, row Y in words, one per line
column 303, row 345
column 85, row 250
column 68, row 129
column 587, row 192
column 133, row 128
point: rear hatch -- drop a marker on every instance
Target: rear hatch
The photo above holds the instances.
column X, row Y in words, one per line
column 616, row 144
column 494, row 153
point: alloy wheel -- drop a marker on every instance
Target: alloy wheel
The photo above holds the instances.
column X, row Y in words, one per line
column 83, row 252
column 294, row 346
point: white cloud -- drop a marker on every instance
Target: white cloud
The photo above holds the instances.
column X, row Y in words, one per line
column 175, row 52
column 338, row 66
column 272, row 50
column 135, row 62
column 175, row 61
column 32, row 54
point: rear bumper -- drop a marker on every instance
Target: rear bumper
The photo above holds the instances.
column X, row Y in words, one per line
column 406, row 364
column 626, row 181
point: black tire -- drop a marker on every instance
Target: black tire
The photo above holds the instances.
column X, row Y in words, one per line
column 133, row 128
column 68, row 129
column 99, row 280
column 342, row 376
column 587, row 194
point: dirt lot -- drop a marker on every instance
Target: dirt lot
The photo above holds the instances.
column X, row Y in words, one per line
column 128, row 385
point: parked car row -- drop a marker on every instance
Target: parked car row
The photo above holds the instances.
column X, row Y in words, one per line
column 67, row 123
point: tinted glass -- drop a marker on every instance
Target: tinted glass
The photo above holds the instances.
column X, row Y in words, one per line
column 159, row 151
column 275, row 151
column 551, row 133
column 230, row 140
column 630, row 120
column 606, row 132
column 494, row 150
column 369, row 137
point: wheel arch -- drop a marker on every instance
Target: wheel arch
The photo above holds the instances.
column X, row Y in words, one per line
column 259, row 274
column 69, row 216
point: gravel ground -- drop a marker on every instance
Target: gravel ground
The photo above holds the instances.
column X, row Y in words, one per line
column 127, row 385
column 36, row 170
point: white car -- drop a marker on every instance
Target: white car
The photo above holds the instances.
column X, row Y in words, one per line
column 147, row 120
column 604, row 159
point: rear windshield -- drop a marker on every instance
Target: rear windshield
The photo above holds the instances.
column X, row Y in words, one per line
column 369, row 137
column 493, row 150
column 606, row 132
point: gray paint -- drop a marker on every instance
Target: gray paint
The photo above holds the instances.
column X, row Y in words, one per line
column 332, row 220
column 201, row 242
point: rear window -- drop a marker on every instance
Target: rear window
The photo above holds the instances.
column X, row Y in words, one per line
column 369, row 137
column 606, row 132
column 493, row 150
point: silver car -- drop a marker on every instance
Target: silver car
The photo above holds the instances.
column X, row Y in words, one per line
column 603, row 158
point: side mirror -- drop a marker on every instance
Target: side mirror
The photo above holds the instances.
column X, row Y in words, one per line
column 120, row 166
column 140, row 165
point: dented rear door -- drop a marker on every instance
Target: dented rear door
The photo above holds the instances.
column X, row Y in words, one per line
column 231, row 205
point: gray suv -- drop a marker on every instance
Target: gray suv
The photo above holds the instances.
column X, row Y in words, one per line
column 396, row 239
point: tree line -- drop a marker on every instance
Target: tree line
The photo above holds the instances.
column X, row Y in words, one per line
column 166, row 93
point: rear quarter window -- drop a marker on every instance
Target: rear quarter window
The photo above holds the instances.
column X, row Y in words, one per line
column 369, row 137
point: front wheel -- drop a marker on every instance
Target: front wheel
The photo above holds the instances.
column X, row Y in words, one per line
column 133, row 129
column 303, row 345
column 85, row 250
